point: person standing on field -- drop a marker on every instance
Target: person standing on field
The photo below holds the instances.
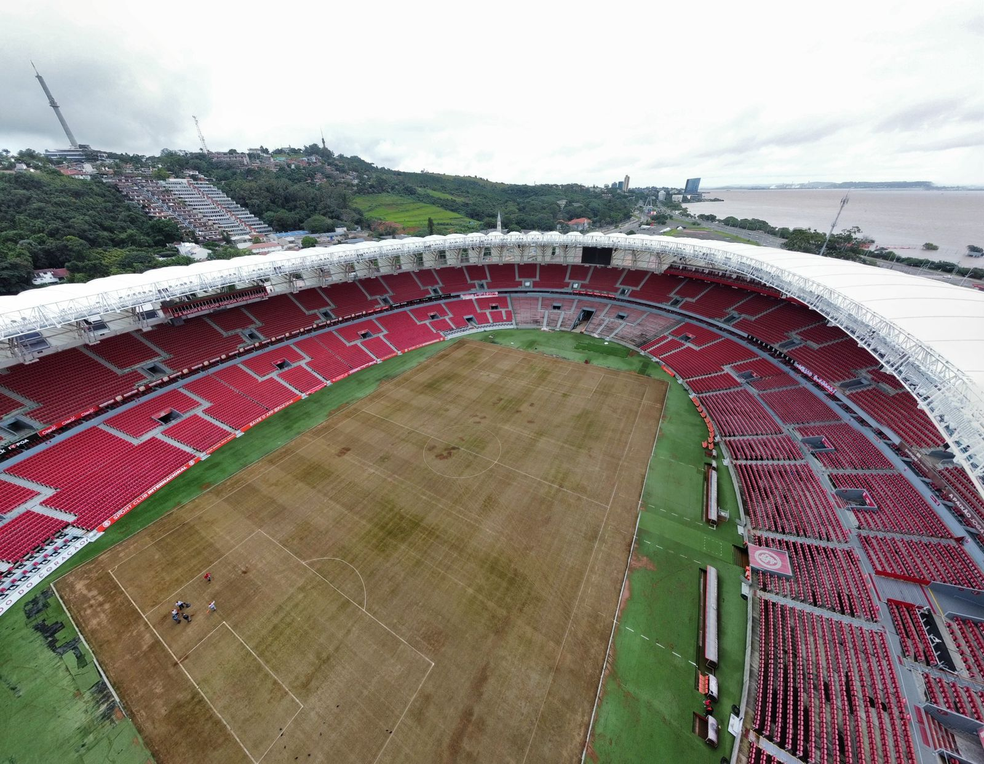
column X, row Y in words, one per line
column 174, row 616
column 208, row 577
column 211, row 606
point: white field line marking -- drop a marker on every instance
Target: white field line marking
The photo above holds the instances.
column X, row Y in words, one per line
column 300, row 706
column 644, row 637
column 202, row 640
column 179, row 664
column 167, row 600
column 630, row 629
column 692, row 664
column 676, row 654
column 587, row 570
column 370, row 615
column 412, row 699
column 365, row 591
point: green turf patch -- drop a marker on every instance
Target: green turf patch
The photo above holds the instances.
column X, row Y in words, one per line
column 411, row 213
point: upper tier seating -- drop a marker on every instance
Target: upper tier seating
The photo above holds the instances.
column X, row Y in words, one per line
column 837, row 362
column 403, row 333
column 269, row 393
column 124, row 351
column 959, row 482
column 349, row 299
column 13, row 495
column 854, row 449
column 901, row 508
column 192, row 343
column 404, row 288
column 776, row 326
column 281, row 315
column 712, row 383
column 901, row 414
column 71, row 459
column 716, row 302
column 798, row 405
column 922, row 561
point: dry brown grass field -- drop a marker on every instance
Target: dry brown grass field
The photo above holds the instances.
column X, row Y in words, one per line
column 429, row 575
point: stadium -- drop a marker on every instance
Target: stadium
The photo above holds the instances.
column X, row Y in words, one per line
column 525, row 497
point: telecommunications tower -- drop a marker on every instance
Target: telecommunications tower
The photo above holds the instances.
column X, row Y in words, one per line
column 54, row 105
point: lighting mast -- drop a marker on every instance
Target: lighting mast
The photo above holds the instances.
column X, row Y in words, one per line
column 201, row 137
column 834, row 224
column 54, row 105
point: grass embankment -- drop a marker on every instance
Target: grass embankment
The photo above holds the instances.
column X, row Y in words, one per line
column 699, row 232
column 48, row 709
column 649, row 696
column 644, row 715
column 412, row 213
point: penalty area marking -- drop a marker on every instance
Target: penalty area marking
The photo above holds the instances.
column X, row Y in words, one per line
column 365, row 591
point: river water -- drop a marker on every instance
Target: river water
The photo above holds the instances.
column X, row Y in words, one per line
column 901, row 220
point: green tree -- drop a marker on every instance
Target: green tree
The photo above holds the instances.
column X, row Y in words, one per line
column 930, row 246
column 430, row 226
column 317, row 224
column 308, row 241
column 975, row 249
column 160, row 173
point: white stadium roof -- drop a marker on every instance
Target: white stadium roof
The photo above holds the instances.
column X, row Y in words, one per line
column 931, row 334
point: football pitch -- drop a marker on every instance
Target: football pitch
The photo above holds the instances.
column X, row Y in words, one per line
column 428, row 575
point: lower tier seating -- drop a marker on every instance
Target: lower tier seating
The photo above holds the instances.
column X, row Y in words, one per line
column 789, row 499
column 900, row 507
column 968, row 636
column 954, row 697
column 823, row 576
column 912, row 633
column 827, row 690
column 27, row 532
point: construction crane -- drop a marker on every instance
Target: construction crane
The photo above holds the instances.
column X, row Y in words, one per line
column 834, row 224
column 201, row 138
column 53, row 105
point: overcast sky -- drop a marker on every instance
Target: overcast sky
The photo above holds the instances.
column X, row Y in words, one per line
column 519, row 91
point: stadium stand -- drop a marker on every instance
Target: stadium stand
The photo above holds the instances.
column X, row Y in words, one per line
column 789, row 499
column 27, row 532
column 900, row 507
column 225, row 404
column 954, row 697
column 968, row 636
column 712, row 383
column 854, row 450
column 765, row 448
column 301, row 380
column 922, row 561
column 799, row 406
column 901, row 414
column 912, row 632
column 827, row 577
column 124, row 351
column 13, row 495
column 827, row 689
column 140, row 419
column 738, row 412
column 264, row 364
column 198, row 433
column 44, row 382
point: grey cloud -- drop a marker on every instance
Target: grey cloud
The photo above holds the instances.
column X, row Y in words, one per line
column 927, row 114
column 969, row 140
column 107, row 102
